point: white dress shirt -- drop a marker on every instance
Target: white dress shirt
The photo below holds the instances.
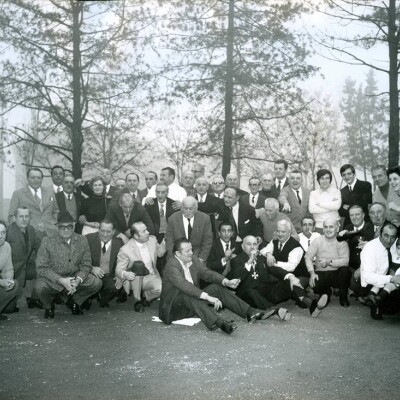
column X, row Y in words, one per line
column 145, row 256
column 38, row 192
column 294, row 256
column 304, row 240
column 175, row 192
column 186, row 225
column 55, row 188
column 251, row 202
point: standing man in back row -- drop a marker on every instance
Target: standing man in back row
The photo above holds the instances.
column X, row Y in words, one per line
column 280, row 169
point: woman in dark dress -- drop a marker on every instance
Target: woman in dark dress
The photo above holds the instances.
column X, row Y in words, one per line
column 94, row 208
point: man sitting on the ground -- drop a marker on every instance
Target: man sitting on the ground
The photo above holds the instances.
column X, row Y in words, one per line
column 142, row 247
column 327, row 262
column 63, row 267
column 307, row 234
column 8, row 286
column 181, row 296
column 263, row 286
column 376, row 275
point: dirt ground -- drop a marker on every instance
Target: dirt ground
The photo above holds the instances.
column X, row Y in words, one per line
column 118, row 354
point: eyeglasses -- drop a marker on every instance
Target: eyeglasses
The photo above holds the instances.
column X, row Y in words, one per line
column 218, row 183
column 254, row 184
column 66, row 227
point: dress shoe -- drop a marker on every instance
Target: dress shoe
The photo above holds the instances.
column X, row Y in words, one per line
column 86, row 304
column 227, row 326
column 317, row 306
column 146, row 303
column 33, row 303
column 376, row 313
column 122, row 297
column 344, row 302
column 283, row 314
column 255, row 316
column 49, row 313
column 300, row 304
column 138, row 307
column 76, row 309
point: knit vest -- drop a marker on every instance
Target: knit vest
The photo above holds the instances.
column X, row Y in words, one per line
column 291, row 244
column 105, row 261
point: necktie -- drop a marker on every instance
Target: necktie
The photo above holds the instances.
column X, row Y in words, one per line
column 69, row 197
column 389, row 258
column 309, row 241
column 162, row 213
column 104, row 248
column 350, row 188
column 279, row 186
column 253, row 199
column 232, row 221
column 38, row 200
column 58, row 189
column 227, row 246
column 189, row 228
column 298, row 197
column 280, row 247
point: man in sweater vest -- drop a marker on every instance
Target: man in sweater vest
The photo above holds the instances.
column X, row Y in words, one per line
column 327, row 262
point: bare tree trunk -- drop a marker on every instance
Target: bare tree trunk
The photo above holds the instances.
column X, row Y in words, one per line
column 393, row 39
column 76, row 128
column 227, row 149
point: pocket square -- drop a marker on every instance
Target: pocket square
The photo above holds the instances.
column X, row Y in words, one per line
column 246, row 222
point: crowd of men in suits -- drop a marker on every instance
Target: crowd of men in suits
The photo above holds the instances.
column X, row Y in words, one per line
column 203, row 242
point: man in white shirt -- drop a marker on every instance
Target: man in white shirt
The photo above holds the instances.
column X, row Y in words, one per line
column 175, row 192
column 280, row 169
column 307, row 234
column 142, row 247
column 376, row 275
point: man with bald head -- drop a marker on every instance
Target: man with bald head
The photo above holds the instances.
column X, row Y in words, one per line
column 269, row 217
column 268, row 189
column 124, row 213
column 193, row 225
column 232, row 181
column 327, row 261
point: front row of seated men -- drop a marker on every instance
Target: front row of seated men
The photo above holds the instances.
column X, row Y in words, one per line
column 74, row 269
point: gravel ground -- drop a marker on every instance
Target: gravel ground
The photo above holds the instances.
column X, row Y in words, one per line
column 118, row 354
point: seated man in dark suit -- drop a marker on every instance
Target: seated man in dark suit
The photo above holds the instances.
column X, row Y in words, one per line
column 254, row 199
column 242, row 217
column 356, row 234
column 355, row 192
column 63, row 267
column 104, row 248
column 262, row 286
column 207, row 203
column 124, row 213
column 181, row 296
column 24, row 244
column 222, row 250
column 68, row 200
column 192, row 224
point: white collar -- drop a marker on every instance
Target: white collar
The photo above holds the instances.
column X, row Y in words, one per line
column 186, row 266
column 352, row 185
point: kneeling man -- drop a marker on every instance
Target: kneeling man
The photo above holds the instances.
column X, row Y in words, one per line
column 63, row 266
column 181, row 296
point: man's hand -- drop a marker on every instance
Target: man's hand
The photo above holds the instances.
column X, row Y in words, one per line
column 395, row 279
column 361, row 244
column 294, row 282
column 231, row 284
column 313, row 278
column 69, row 284
column 128, row 233
column 253, row 256
column 341, row 233
column 176, row 205
column 7, row 284
column 123, row 237
column 215, row 301
column 128, row 275
column 271, row 262
column 79, row 182
column 357, row 274
column 345, row 206
column 229, row 254
column 321, row 263
column 149, row 201
column 286, row 207
column 97, row 271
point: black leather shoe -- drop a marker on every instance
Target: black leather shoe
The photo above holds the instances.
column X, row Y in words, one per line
column 76, row 309
column 146, row 303
column 138, row 307
column 228, row 326
column 86, row 304
column 49, row 313
column 317, row 306
column 33, row 303
column 122, row 297
column 376, row 313
column 256, row 316
column 344, row 302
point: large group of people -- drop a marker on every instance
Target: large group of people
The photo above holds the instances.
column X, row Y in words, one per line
column 202, row 243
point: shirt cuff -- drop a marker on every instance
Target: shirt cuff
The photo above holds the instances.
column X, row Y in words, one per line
column 287, row 276
column 223, row 261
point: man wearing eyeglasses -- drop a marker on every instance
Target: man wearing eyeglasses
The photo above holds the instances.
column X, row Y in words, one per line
column 63, row 267
column 218, row 186
column 254, row 199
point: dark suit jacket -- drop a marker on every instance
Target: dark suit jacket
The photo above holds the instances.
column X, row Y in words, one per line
column 60, row 198
column 284, row 185
column 352, row 239
column 248, row 224
column 23, row 255
column 216, row 254
column 143, row 192
column 138, row 213
column 201, row 237
column 272, row 193
column 154, row 213
column 246, row 200
column 360, row 195
column 95, row 250
column 174, row 284
column 211, row 206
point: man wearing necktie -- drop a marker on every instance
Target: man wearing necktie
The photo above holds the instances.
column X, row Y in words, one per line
column 193, row 225
column 280, row 169
column 355, row 192
column 294, row 199
column 182, row 297
column 254, row 199
column 57, row 177
column 104, row 248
